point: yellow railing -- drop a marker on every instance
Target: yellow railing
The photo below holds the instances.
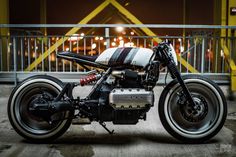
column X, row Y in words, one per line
column 231, row 65
column 96, row 11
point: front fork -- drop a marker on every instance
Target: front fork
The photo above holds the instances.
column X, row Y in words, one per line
column 176, row 74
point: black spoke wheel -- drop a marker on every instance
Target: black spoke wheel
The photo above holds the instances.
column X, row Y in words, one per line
column 190, row 123
column 34, row 126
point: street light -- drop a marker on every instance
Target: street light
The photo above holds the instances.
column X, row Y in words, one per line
column 119, row 29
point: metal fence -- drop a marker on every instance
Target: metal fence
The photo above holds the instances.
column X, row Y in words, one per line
column 203, row 52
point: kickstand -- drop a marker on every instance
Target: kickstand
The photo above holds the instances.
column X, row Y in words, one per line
column 104, row 126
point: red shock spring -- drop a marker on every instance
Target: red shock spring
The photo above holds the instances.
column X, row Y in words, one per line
column 89, row 79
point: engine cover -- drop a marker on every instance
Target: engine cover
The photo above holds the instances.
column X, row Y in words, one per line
column 132, row 98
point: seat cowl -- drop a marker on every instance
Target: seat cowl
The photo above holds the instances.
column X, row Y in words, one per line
column 73, row 56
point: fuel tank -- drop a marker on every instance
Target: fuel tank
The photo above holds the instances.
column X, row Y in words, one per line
column 126, row 56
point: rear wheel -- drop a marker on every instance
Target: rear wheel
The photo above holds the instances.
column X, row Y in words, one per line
column 193, row 124
column 29, row 124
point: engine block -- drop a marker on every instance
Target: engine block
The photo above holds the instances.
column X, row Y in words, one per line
column 131, row 98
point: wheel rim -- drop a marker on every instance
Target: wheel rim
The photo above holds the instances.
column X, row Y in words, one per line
column 196, row 128
column 27, row 121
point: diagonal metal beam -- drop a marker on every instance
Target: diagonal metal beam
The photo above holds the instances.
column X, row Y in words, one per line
column 70, row 32
column 146, row 30
column 133, row 19
column 231, row 64
column 124, row 11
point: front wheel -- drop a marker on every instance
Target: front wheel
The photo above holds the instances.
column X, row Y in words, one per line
column 28, row 124
column 193, row 124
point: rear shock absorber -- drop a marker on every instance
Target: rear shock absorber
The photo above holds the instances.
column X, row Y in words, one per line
column 89, row 79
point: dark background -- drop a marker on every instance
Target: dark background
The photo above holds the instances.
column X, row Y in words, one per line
column 148, row 12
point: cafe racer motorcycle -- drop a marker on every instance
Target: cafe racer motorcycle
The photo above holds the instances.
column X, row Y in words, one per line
column 192, row 108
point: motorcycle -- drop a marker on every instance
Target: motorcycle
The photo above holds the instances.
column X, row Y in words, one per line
column 192, row 108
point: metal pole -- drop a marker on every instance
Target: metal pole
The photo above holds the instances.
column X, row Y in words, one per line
column 21, row 54
column 63, row 61
column 77, row 45
column 187, row 54
column 43, row 16
column 15, row 61
column 8, row 52
column 4, row 19
column 56, row 55
column 42, row 54
column 1, row 59
column 107, row 37
column 85, row 49
column 70, row 49
column 209, row 57
column 35, row 52
column 28, row 44
column 195, row 53
column 216, row 55
column 49, row 56
column 203, row 56
column 180, row 53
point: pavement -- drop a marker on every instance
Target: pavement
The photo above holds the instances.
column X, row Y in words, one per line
column 147, row 138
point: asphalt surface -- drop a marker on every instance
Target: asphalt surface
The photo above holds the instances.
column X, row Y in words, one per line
column 147, row 138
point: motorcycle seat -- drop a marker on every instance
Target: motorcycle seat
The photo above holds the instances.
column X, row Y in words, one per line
column 74, row 56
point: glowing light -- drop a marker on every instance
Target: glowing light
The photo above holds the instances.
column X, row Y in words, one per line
column 113, row 44
column 222, row 53
column 119, row 29
column 121, row 43
column 101, row 38
column 126, row 4
column 105, row 43
column 74, row 37
column 67, row 49
column 129, row 44
column 120, row 38
column 132, row 33
column 81, row 36
column 181, row 49
column 179, row 39
column 53, row 58
column 94, row 45
column 114, row 39
column 96, row 38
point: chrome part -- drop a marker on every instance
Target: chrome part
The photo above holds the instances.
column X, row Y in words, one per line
column 131, row 98
column 121, row 73
column 201, row 128
column 80, row 121
column 196, row 113
column 118, row 73
column 173, row 54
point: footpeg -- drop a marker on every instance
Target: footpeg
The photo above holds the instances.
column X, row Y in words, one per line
column 81, row 121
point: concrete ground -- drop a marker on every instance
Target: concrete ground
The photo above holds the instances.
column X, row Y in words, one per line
column 147, row 138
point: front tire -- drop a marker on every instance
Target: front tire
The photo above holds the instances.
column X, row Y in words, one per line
column 31, row 126
column 193, row 126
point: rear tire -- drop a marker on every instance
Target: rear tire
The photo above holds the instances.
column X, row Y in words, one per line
column 195, row 127
column 28, row 125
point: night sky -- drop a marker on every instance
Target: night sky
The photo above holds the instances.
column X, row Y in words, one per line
column 148, row 11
